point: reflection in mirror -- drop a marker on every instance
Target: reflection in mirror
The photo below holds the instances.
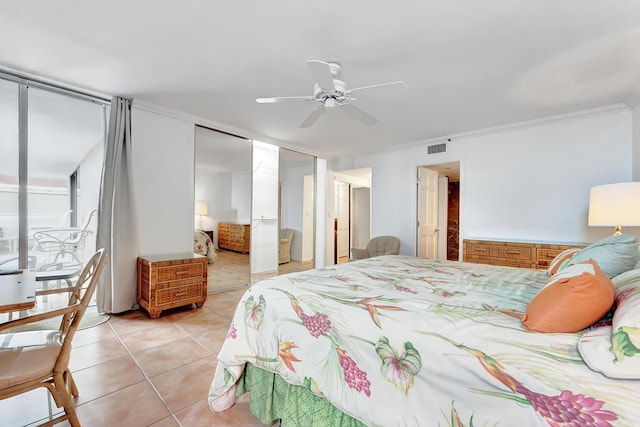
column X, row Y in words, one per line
column 297, row 219
column 223, row 207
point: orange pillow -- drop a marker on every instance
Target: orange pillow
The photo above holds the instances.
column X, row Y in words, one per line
column 571, row 300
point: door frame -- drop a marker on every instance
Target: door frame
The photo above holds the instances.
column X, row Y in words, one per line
column 452, row 168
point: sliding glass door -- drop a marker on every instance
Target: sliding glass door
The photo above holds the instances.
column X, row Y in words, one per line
column 52, row 153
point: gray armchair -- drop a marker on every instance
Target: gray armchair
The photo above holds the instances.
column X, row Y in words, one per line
column 381, row 245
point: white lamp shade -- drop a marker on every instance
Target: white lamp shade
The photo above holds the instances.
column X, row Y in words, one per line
column 201, row 208
column 615, row 205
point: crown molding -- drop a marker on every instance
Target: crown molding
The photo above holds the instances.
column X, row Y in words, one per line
column 451, row 138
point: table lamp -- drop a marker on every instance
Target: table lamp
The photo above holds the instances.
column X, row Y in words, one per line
column 201, row 210
column 615, row 205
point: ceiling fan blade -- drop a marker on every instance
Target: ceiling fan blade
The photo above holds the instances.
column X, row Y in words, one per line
column 399, row 82
column 280, row 98
column 322, row 74
column 358, row 114
column 312, row 118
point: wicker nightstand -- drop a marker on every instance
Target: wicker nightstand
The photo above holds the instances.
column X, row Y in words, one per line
column 168, row 281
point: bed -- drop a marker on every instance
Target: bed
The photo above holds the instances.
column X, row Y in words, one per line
column 401, row 341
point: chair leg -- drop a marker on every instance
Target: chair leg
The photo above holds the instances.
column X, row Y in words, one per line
column 67, row 403
column 73, row 389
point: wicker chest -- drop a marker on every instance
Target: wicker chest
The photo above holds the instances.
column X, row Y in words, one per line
column 234, row 237
column 168, row 281
column 513, row 254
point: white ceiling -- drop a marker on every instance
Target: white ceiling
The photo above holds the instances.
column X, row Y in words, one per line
column 468, row 64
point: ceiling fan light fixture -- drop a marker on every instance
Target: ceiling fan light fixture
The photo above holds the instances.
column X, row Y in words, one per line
column 330, row 103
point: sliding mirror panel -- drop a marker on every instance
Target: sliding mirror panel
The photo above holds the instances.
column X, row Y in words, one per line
column 264, row 210
column 222, row 211
column 297, row 207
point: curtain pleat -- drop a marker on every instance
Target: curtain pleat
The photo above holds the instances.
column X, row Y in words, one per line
column 117, row 229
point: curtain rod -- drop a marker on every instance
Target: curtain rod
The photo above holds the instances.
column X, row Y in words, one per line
column 21, row 79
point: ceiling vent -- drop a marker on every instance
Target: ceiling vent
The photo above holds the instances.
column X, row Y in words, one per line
column 437, row 148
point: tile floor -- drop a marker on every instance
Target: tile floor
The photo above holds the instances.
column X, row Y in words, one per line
column 135, row 371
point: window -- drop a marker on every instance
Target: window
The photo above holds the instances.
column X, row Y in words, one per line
column 52, row 147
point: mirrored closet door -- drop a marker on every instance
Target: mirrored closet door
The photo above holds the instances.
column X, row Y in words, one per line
column 222, row 208
column 297, row 207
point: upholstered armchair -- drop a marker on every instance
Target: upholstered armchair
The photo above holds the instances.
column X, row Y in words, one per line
column 203, row 245
column 381, row 245
column 286, row 237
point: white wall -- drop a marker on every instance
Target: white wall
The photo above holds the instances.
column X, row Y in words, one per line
column 636, row 142
column 163, row 175
column 526, row 183
column 241, row 197
column 293, row 209
column 214, row 188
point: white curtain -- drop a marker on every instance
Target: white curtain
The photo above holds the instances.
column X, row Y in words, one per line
column 117, row 229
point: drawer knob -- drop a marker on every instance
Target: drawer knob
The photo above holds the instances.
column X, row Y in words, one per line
column 180, row 294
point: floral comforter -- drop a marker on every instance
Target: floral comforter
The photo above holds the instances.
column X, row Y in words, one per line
column 402, row 341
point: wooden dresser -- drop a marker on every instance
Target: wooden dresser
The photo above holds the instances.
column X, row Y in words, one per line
column 513, row 254
column 234, row 237
column 168, row 281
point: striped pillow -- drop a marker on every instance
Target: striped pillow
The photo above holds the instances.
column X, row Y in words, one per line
column 560, row 258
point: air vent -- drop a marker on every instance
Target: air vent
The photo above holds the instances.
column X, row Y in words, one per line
column 438, row 148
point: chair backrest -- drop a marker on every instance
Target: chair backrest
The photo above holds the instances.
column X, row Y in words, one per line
column 79, row 299
column 286, row 233
column 383, row 245
column 87, row 221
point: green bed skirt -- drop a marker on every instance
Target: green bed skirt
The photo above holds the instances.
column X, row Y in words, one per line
column 274, row 399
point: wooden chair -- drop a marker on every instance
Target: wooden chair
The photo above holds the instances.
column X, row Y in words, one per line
column 40, row 358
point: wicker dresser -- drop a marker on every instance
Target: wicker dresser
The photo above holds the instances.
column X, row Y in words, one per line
column 513, row 254
column 168, row 281
column 234, row 237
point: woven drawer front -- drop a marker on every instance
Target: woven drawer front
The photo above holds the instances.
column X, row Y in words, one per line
column 179, row 293
column 522, row 253
column 179, row 272
column 545, row 254
column 517, row 252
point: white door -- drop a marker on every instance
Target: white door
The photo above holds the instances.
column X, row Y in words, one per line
column 343, row 220
column 427, row 213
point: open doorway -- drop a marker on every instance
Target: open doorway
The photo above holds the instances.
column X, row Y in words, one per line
column 438, row 211
column 351, row 204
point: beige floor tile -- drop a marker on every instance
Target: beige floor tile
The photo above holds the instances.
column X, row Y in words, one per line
column 134, row 406
column 199, row 414
column 150, row 336
column 26, row 408
column 168, row 422
column 96, row 353
column 165, row 358
column 105, row 378
column 213, row 337
column 186, row 385
column 93, row 335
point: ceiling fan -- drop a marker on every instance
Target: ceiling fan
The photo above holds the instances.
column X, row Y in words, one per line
column 330, row 93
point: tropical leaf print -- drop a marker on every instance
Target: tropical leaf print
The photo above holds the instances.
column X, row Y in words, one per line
column 398, row 369
column 563, row 410
column 254, row 312
column 625, row 342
